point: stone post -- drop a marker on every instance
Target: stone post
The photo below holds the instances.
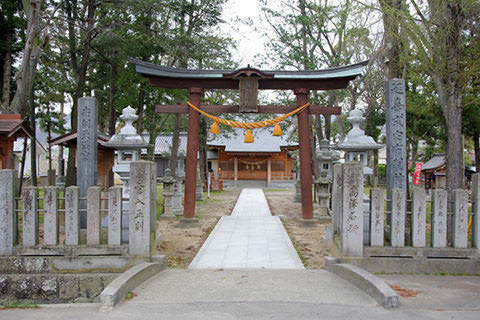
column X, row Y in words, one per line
column 114, row 215
column 476, row 210
column 50, row 219
column 167, row 199
column 460, row 218
column 142, row 208
column 72, row 217
column 177, row 205
column 199, row 188
column 337, row 198
column 86, row 149
column 8, row 215
column 377, row 216
column 324, row 190
column 93, row 216
column 30, row 217
column 396, row 136
column 439, row 218
column 298, row 190
column 352, row 233
column 168, row 191
column 419, row 216
column 397, row 236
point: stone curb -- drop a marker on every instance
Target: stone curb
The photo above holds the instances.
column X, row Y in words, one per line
column 365, row 281
column 118, row 289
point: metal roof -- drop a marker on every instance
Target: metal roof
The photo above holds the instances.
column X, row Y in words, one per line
column 71, row 138
column 163, row 144
column 436, row 162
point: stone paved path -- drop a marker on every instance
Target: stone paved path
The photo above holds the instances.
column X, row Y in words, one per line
column 250, row 238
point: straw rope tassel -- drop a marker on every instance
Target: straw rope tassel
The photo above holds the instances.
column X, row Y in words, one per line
column 248, row 137
column 277, row 131
column 215, row 129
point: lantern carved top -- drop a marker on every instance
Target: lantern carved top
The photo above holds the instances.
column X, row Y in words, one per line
column 128, row 138
column 356, row 139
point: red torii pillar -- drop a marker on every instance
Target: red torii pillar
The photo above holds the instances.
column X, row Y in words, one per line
column 192, row 152
column 305, row 155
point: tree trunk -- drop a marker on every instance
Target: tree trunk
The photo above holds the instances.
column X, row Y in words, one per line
column 33, row 148
column 141, row 103
column 22, row 166
column 172, row 164
column 476, row 144
column 33, row 46
column 202, row 145
column 393, row 46
column 111, row 99
column 7, row 69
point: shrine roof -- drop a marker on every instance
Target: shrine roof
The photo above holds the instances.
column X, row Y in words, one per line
column 436, row 162
column 70, row 138
column 13, row 125
column 332, row 78
column 263, row 141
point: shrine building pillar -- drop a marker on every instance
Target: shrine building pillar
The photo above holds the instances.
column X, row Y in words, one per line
column 235, row 171
column 269, row 171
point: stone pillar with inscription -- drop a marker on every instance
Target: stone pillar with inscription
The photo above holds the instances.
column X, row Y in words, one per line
column 86, row 151
column 8, row 212
column 142, row 208
column 352, row 225
column 396, row 136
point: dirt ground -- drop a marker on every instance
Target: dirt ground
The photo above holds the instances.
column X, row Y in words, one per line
column 307, row 238
column 180, row 242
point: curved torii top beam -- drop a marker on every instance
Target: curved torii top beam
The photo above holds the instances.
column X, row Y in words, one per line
column 178, row 78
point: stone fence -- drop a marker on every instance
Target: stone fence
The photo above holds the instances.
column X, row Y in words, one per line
column 142, row 215
column 408, row 231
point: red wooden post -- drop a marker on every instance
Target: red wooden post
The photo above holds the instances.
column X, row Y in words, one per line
column 192, row 151
column 305, row 155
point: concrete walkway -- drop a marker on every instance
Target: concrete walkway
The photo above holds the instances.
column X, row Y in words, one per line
column 267, row 294
column 250, row 238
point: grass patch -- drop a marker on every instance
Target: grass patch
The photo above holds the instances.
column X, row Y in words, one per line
column 300, row 247
column 130, row 296
column 274, row 190
column 177, row 262
column 18, row 305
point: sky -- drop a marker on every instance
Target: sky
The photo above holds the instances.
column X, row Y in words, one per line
column 249, row 39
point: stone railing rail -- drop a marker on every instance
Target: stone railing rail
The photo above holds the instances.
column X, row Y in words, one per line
column 142, row 214
column 347, row 212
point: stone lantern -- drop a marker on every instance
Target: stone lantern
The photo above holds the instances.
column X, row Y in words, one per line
column 127, row 143
column 168, row 192
column 356, row 146
column 326, row 157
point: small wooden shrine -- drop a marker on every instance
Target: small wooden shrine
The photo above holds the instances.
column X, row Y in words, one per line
column 267, row 158
column 105, row 155
column 11, row 127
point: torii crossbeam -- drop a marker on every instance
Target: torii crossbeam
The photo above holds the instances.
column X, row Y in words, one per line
column 248, row 81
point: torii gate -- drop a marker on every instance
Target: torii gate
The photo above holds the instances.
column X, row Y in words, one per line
column 248, row 81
